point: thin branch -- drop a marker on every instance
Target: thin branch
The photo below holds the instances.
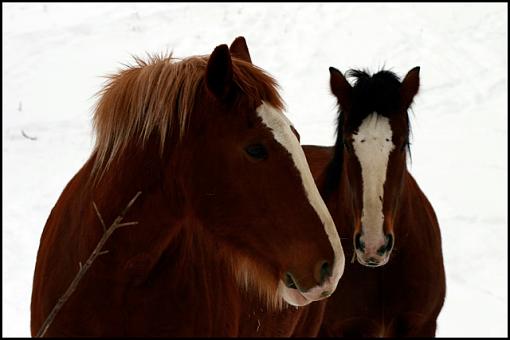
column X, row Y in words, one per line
column 99, row 216
column 83, row 268
column 129, row 205
column 27, row 136
column 127, row 224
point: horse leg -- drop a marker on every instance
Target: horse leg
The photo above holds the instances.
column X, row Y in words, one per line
column 354, row 327
column 409, row 327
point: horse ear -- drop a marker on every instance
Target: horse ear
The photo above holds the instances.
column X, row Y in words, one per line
column 410, row 86
column 239, row 49
column 340, row 88
column 219, row 72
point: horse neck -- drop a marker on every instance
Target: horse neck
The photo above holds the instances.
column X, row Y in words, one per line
column 168, row 245
column 158, row 205
column 410, row 199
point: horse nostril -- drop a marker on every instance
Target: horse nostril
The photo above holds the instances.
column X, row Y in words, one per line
column 289, row 281
column 322, row 271
column 360, row 245
column 387, row 246
column 389, row 242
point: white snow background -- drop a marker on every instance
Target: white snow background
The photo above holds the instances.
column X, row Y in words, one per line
column 54, row 57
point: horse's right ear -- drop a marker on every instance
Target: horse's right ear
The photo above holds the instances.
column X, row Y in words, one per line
column 340, row 88
column 410, row 87
column 219, row 72
column 239, row 49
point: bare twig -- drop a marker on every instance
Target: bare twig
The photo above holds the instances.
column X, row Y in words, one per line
column 27, row 136
column 83, row 268
column 99, row 216
column 127, row 224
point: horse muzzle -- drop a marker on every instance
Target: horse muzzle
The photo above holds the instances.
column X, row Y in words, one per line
column 295, row 296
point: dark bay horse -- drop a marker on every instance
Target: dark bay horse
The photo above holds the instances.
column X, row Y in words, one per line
column 397, row 288
column 232, row 231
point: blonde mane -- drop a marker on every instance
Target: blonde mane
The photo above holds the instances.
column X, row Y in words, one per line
column 157, row 96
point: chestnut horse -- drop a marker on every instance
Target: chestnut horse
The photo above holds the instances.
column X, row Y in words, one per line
column 398, row 287
column 231, row 227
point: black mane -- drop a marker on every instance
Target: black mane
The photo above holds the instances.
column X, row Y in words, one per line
column 371, row 93
column 378, row 93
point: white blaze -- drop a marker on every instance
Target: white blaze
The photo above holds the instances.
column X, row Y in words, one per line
column 280, row 125
column 372, row 145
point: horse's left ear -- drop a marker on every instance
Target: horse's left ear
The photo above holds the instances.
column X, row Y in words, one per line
column 341, row 88
column 410, row 86
column 219, row 74
column 239, row 49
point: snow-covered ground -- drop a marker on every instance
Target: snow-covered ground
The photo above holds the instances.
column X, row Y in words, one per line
column 55, row 54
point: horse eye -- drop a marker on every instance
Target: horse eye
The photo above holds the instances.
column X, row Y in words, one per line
column 257, row 151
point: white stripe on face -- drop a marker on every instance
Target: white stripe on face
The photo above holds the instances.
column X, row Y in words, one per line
column 280, row 125
column 372, row 145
